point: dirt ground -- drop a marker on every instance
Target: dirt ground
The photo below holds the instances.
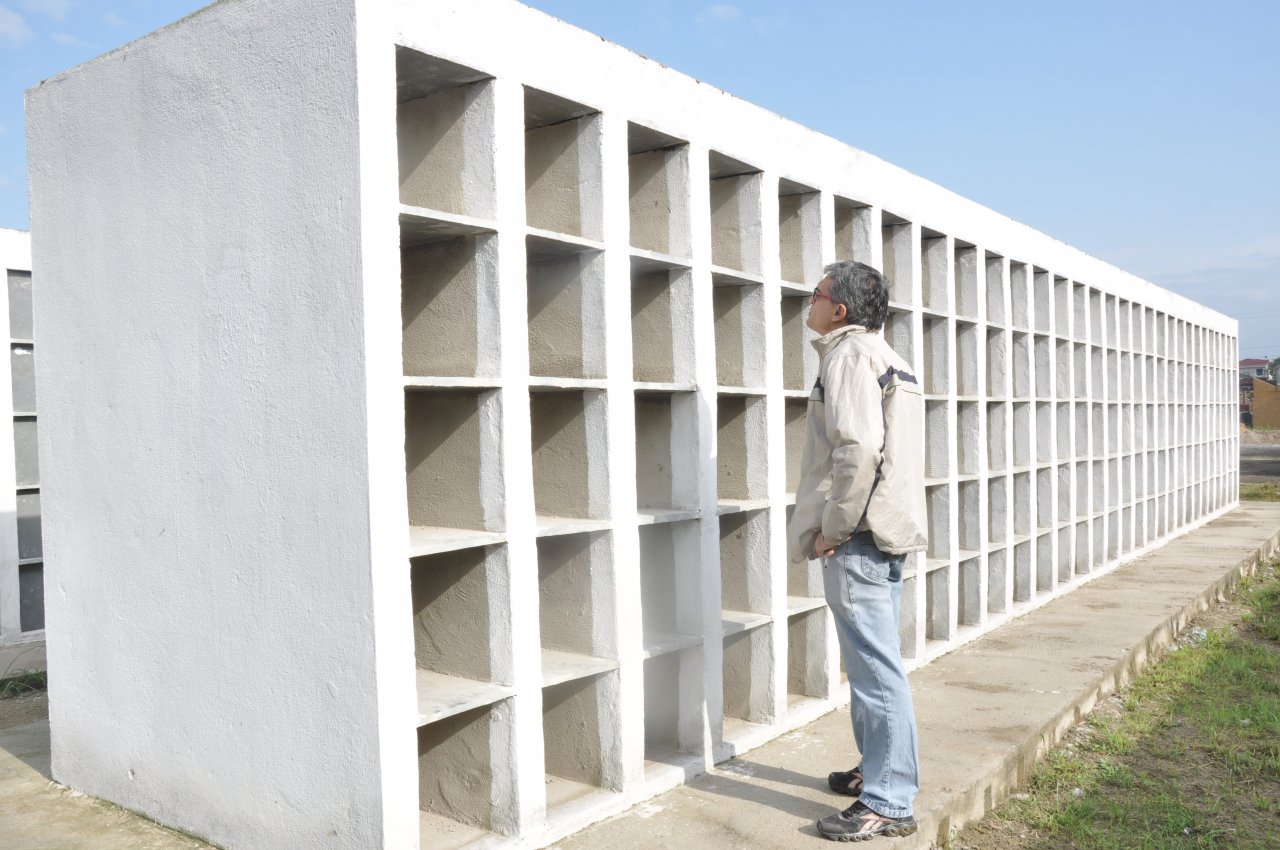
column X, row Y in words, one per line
column 1249, row 437
column 16, row 711
column 997, row 833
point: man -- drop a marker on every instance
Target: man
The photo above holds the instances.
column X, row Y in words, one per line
column 860, row 508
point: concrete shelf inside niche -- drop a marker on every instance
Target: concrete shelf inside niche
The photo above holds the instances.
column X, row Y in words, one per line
column 935, row 271
column 794, row 413
column 453, row 464
column 937, row 440
column 807, row 653
column 854, row 230
column 458, row 793
column 937, row 504
column 965, row 264
column 896, row 245
column 578, row 740
column 661, row 325
column 1019, row 297
column 898, row 334
column 799, row 232
column 967, row 368
column 444, row 121
column 739, row 334
column 669, row 589
column 448, row 286
column 574, row 575
column 741, row 447
column 996, row 287
column 658, row 180
column 563, row 173
column 666, row 451
column 937, row 356
column 799, row 358
column 460, row 666
column 736, row 212
column 568, row 469
column 565, row 310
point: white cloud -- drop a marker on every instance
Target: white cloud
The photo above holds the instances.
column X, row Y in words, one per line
column 56, row 9
column 65, row 38
column 114, row 20
column 13, row 28
column 719, row 12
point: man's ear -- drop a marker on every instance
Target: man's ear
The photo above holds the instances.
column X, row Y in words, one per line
column 841, row 313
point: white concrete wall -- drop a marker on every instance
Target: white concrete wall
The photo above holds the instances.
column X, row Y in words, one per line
column 197, row 221
column 25, row 653
column 243, row 375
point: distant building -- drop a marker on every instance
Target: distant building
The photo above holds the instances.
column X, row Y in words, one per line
column 1254, row 367
column 1266, row 404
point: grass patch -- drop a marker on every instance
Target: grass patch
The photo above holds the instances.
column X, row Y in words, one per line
column 23, row 683
column 1268, row 492
column 1187, row 757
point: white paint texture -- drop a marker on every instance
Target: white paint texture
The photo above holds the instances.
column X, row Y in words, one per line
column 577, row 369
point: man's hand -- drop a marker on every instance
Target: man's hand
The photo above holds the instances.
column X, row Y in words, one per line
column 822, row 548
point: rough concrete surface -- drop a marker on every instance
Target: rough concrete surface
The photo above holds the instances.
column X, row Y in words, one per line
column 985, row 711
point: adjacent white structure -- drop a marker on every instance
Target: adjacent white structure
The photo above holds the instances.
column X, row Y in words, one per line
column 21, row 558
column 423, row 386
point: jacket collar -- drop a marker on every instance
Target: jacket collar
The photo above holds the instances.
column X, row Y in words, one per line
column 825, row 344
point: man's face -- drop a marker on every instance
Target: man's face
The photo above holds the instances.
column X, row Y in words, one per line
column 824, row 314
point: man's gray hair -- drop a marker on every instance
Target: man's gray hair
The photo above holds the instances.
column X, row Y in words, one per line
column 862, row 290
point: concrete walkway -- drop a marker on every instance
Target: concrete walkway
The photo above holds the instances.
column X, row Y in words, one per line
column 986, row 712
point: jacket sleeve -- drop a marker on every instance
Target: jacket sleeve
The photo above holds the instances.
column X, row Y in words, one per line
column 855, row 427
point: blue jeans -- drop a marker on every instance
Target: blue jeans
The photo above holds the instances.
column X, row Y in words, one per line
column 864, row 589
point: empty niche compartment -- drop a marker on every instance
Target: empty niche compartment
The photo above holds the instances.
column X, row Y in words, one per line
column 1081, row 372
column 569, row 468
column 1022, row 572
column 799, row 232
column 658, row 175
column 460, row 797
column 747, row 677
column 1019, row 296
column 937, row 440
column 934, row 270
column 799, row 359
column 998, row 585
column 997, row 437
column 445, row 129
column 453, row 463
column 575, row 586
column 937, row 356
column 1063, row 431
column 1044, row 367
column 22, row 363
column 968, row 445
column 1044, row 499
column 566, row 309
column 937, row 591
column 562, row 165
column 897, row 333
column 895, row 240
column 738, row 308
column 1044, row 563
column 579, row 738
column 669, row 586
column 458, row 628
column 735, row 214
column 909, row 617
column 1022, row 434
column 741, row 444
column 997, row 363
column 967, row 359
column 1062, row 381
column 807, row 654
column 667, row 731
column 996, row 286
column 1065, row 556
column 1044, row 432
column 1023, row 507
column 744, row 569
column 1061, row 306
column 1022, row 366
column 965, row 257
column 448, row 298
column 969, row 592
column 1081, row 561
column 854, row 228
column 938, row 505
column 998, row 510
column 30, row 584
column 1082, row 490
column 661, row 325
column 969, row 517
column 26, row 454
column 794, row 414
column 1043, row 297
column 1079, row 312
column 666, row 451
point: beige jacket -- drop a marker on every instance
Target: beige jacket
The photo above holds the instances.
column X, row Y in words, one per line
column 863, row 463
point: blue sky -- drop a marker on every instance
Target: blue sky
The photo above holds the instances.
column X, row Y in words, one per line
column 1145, row 133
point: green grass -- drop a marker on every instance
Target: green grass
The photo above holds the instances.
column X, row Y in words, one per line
column 23, row 683
column 1192, row 760
column 1269, row 492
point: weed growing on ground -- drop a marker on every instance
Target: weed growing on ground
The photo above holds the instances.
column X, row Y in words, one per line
column 1187, row 757
column 1267, row 492
column 23, row 683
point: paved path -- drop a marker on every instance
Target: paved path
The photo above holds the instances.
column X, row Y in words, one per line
column 986, row 711
column 1259, row 464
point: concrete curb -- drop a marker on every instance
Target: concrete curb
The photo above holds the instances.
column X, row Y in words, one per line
column 989, row 791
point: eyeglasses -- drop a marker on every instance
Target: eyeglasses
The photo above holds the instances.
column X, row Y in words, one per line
column 817, row 293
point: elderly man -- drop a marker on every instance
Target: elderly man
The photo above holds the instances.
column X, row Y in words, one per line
column 860, row 508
